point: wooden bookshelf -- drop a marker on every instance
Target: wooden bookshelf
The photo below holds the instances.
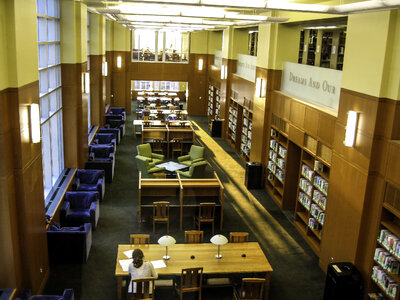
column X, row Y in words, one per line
column 235, row 124
column 301, row 47
column 247, row 127
column 217, row 103
column 311, row 47
column 312, row 191
column 385, row 276
column 282, row 169
column 210, row 103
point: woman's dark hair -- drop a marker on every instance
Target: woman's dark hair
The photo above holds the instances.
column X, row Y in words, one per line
column 137, row 256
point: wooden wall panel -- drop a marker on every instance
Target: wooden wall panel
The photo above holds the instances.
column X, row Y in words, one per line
column 326, row 128
column 393, row 163
column 198, row 88
column 311, row 119
column 297, row 114
column 347, row 188
column 296, row 135
column 110, row 66
column 96, row 90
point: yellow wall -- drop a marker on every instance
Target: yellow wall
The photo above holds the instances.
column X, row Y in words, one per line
column 227, row 36
column 287, row 47
column 214, row 41
column 73, row 29
column 182, row 86
column 391, row 73
column 3, row 47
column 97, row 29
column 122, row 38
column 199, row 42
column 18, row 44
column 109, row 35
column 365, row 51
column 240, row 43
column 263, row 46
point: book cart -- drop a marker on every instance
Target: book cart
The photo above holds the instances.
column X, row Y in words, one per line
column 385, row 271
column 312, row 191
column 282, row 169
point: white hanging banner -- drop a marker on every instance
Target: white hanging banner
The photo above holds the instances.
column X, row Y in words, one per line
column 317, row 86
column 218, row 58
column 246, row 67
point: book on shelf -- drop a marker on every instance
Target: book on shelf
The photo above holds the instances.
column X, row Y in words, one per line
column 305, row 200
column 385, row 281
column 307, row 172
column 390, row 241
column 282, row 151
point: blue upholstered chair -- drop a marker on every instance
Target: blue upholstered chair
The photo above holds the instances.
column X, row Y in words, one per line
column 67, row 295
column 69, row 244
column 116, row 131
column 90, row 180
column 80, row 208
column 117, row 113
column 102, row 158
column 116, row 123
column 105, row 139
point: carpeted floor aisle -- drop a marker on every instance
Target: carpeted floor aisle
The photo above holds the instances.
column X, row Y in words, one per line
column 296, row 273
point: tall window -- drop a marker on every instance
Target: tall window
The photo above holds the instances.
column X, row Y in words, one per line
column 48, row 20
column 88, row 69
column 171, row 86
column 164, row 46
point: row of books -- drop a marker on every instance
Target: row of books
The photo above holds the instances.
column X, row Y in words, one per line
column 232, row 119
column 387, row 261
column 306, row 186
column 317, row 213
column 305, row 200
column 313, row 223
column 280, row 175
column 307, row 172
column 319, row 198
column 385, row 281
column 273, row 133
column 273, row 155
column 281, row 163
column 321, row 183
column 232, row 111
column 231, row 126
column 272, row 166
column 273, row 144
column 282, row 151
column 390, row 241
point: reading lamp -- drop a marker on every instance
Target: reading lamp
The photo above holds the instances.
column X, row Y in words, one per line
column 351, row 126
column 219, row 240
column 166, row 241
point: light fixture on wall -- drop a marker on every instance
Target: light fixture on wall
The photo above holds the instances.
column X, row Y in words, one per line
column 34, row 115
column 258, row 86
column 200, row 65
column 85, row 82
column 119, row 61
column 105, row 68
column 222, row 72
column 351, row 127
column 225, row 72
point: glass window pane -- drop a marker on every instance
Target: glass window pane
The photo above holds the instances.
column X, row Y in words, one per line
column 41, row 7
column 52, row 55
column 59, row 101
column 43, row 82
column 50, row 8
column 44, row 109
column 42, row 30
column 54, row 147
column 52, row 79
column 57, row 54
column 42, row 56
column 51, row 30
column 53, row 102
column 47, row 182
column 58, row 76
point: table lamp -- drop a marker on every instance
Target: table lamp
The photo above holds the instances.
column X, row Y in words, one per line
column 219, row 240
column 166, row 241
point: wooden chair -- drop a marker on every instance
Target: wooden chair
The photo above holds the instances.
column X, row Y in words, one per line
column 139, row 239
column 176, row 146
column 160, row 214
column 252, row 288
column 238, row 237
column 144, row 288
column 194, row 236
column 206, row 214
column 157, row 146
column 191, row 281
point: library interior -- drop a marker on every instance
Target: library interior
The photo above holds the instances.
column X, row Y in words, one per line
column 241, row 149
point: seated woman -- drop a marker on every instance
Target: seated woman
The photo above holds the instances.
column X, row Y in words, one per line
column 139, row 269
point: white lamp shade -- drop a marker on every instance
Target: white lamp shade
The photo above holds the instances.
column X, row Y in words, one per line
column 219, row 239
column 166, row 240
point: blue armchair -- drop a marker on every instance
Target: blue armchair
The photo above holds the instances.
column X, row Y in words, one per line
column 69, row 244
column 116, row 131
column 115, row 123
column 67, row 295
column 105, row 139
column 90, row 180
column 117, row 113
column 80, row 208
column 102, row 158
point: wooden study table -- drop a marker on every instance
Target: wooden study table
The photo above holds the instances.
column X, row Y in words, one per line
column 232, row 261
column 201, row 187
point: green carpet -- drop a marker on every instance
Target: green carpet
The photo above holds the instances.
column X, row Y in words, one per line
column 296, row 273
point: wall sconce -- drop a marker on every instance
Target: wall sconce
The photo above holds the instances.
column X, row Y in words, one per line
column 258, row 86
column 200, row 65
column 85, row 83
column 222, row 72
column 105, row 69
column 351, row 127
column 34, row 122
column 119, row 61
